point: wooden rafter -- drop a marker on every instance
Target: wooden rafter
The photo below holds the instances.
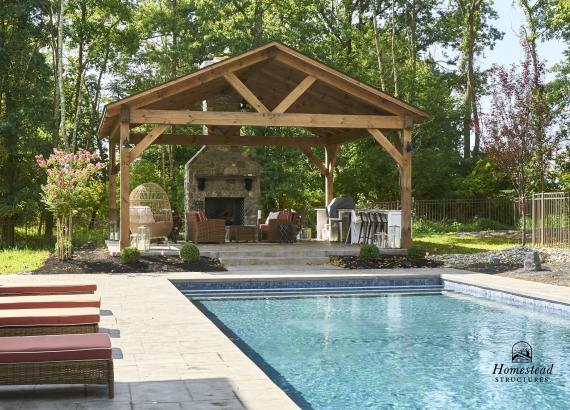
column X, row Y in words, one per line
column 265, row 119
column 315, row 160
column 243, row 140
column 146, row 141
column 295, row 94
column 245, row 92
column 387, row 145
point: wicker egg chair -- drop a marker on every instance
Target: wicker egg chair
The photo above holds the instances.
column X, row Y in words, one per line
column 149, row 206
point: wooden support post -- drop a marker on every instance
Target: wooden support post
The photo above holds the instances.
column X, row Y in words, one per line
column 331, row 152
column 125, row 165
column 406, row 189
column 112, row 185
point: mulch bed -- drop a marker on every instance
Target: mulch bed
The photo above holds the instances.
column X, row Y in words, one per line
column 91, row 259
column 384, row 262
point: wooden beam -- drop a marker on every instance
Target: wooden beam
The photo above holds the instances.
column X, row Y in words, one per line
column 125, row 179
column 245, row 92
column 295, row 94
column 315, row 160
column 265, row 119
column 387, row 145
column 331, row 152
column 146, row 141
column 191, row 80
column 406, row 191
column 348, row 84
column 112, row 184
column 243, row 140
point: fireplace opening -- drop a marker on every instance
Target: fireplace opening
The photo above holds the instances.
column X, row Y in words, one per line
column 230, row 209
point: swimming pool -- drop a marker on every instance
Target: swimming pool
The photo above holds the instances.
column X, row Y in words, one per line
column 436, row 351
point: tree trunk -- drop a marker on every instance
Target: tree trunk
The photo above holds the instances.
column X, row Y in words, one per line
column 378, row 46
column 60, row 27
column 394, row 68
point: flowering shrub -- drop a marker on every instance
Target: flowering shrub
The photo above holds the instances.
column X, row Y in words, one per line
column 68, row 189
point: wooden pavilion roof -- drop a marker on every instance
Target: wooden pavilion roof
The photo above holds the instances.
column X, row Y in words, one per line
column 281, row 79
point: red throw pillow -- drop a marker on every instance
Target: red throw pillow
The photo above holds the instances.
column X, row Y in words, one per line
column 201, row 216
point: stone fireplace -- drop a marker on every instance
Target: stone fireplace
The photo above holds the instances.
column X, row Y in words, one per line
column 224, row 183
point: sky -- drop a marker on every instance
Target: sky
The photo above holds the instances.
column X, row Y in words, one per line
column 508, row 50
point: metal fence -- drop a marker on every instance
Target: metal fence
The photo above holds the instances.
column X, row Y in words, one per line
column 502, row 210
column 551, row 219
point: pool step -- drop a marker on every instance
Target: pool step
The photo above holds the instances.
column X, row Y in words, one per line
column 281, row 260
column 324, row 291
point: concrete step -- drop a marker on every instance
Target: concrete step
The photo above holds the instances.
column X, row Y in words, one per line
column 296, row 253
column 289, row 260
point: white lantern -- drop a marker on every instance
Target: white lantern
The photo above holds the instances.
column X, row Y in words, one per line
column 143, row 243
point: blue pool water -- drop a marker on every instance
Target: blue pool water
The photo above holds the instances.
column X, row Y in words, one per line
column 412, row 352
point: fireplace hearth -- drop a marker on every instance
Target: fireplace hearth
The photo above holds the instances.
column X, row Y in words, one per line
column 230, row 209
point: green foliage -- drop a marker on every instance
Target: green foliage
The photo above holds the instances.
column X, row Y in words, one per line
column 189, row 253
column 368, row 252
column 416, row 252
column 21, row 260
column 423, row 227
column 130, row 255
column 449, row 243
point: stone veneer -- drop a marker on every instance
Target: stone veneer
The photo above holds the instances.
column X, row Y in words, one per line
column 225, row 170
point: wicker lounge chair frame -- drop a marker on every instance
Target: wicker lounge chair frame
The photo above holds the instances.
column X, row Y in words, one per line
column 6, row 331
column 208, row 231
column 98, row 371
column 274, row 234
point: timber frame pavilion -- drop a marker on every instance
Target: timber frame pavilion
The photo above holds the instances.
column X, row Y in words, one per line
column 282, row 88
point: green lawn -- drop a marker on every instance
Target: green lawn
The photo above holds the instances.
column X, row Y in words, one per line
column 445, row 243
column 21, row 260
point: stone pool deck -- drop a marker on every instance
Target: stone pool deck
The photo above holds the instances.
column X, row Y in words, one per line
column 168, row 355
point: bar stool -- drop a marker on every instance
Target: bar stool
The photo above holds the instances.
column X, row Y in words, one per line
column 374, row 222
column 364, row 225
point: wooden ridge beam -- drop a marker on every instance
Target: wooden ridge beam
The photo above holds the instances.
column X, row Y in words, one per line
column 245, row 92
column 173, row 117
column 146, row 141
column 315, row 160
column 294, row 95
column 243, row 140
column 387, row 145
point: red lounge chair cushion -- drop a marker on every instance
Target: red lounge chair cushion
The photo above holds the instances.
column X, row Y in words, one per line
column 264, row 227
column 21, row 288
column 48, row 317
column 50, row 301
column 55, row 348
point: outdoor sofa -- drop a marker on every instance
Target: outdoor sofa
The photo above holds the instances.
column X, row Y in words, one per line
column 48, row 321
column 57, row 359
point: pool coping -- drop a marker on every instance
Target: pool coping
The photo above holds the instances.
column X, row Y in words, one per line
column 517, row 287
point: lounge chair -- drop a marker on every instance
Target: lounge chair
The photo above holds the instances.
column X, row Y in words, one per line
column 12, row 289
column 59, row 359
column 32, row 322
column 50, row 301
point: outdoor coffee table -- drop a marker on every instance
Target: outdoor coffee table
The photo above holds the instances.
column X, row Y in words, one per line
column 243, row 233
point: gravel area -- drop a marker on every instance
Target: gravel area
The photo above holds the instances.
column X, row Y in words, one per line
column 509, row 263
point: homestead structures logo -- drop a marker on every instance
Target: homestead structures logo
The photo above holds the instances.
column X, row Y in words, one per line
column 521, row 353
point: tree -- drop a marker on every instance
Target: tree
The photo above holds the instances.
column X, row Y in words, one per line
column 69, row 188
column 517, row 125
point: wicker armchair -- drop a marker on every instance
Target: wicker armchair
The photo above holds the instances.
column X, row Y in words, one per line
column 208, row 231
column 280, row 229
